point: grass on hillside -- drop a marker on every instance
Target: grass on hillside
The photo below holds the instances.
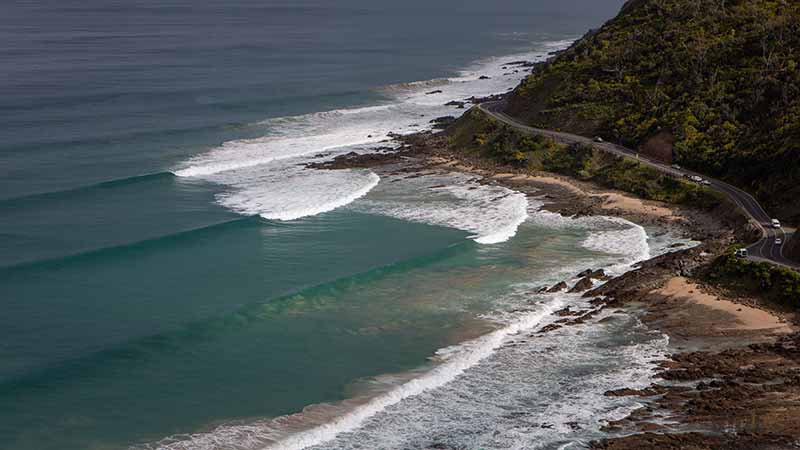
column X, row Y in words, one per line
column 477, row 132
column 717, row 81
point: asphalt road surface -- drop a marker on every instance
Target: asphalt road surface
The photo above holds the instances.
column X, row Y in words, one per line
column 764, row 250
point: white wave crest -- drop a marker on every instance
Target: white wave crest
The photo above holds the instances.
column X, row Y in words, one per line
column 262, row 436
column 293, row 197
column 472, row 353
column 408, row 107
column 630, row 242
column 491, row 213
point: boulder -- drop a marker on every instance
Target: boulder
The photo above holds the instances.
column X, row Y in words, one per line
column 549, row 328
column 584, row 284
column 567, row 312
column 442, row 122
column 558, row 287
column 454, row 103
column 598, row 274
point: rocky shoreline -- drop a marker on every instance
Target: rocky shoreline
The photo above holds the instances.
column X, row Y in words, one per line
column 734, row 380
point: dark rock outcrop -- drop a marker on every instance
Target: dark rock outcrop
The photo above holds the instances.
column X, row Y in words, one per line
column 441, row 123
column 584, row 284
column 598, row 274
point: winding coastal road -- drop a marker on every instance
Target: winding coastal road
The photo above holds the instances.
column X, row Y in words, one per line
column 764, row 250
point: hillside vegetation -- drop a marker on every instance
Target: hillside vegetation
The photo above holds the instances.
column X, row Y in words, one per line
column 476, row 132
column 778, row 284
column 712, row 84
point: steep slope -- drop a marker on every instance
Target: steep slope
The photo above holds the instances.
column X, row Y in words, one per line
column 791, row 248
column 711, row 84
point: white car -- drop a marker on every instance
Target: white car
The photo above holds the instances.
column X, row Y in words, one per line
column 778, row 241
column 696, row 179
column 776, row 223
column 598, row 139
column 742, row 253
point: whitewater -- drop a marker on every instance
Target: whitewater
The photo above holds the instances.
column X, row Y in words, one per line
column 504, row 389
column 510, row 380
column 266, row 176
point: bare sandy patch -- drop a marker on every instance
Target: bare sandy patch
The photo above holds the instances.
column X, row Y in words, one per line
column 742, row 317
column 631, row 204
column 503, row 176
column 555, row 181
column 611, row 200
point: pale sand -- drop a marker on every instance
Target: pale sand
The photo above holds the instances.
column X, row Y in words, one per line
column 632, row 204
column 551, row 180
column 612, row 200
column 745, row 317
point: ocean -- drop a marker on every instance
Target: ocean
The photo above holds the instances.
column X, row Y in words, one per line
column 172, row 276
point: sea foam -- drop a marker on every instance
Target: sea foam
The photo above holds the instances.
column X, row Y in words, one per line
column 260, row 436
column 490, row 213
column 510, row 388
column 249, row 170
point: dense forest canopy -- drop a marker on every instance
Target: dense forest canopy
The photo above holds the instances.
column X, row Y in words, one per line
column 712, row 84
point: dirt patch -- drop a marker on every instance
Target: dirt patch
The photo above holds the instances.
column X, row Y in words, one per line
column 723, row 315
column 660, row 146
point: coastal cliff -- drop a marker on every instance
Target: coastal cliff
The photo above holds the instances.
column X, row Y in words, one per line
column 712, row 85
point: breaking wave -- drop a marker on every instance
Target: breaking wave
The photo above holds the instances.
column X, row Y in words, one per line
column 250, row 170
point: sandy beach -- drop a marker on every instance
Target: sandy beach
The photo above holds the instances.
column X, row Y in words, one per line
column 740, row 356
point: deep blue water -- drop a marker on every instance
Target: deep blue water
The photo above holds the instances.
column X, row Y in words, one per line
column 134, row 306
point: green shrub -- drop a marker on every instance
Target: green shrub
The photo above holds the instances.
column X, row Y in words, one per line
column 721, row 77
column 478, row 132
column 776, row 283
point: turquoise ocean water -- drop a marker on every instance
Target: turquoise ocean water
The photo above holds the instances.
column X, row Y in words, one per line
column 171, row 276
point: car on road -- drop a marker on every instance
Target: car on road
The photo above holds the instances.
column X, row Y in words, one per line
column 705, row 183
column 742, row 253
column 776, row 223
column 696, row 179
column 676, row 167
column 778, row 241
column 598, row 139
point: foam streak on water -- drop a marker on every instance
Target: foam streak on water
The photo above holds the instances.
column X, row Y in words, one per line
column 257, row 436
column 471, row 354
column 260, row 176
column 490, row 213
column 510, row 388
